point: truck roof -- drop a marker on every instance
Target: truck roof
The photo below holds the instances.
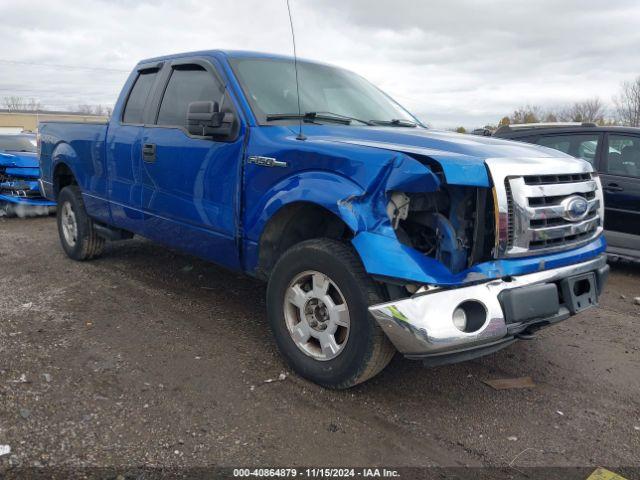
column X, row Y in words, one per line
column 227, row 53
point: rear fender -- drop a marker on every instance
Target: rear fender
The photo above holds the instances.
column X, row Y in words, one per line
column 64, row 154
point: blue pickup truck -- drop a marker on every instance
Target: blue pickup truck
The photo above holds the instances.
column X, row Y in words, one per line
column 375, row 233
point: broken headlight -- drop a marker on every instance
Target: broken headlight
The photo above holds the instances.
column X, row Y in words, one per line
column 454, row 225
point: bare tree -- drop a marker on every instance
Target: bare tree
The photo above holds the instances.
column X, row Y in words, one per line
column 100, row 110
column 16, row 103
column 85, row 109
column 591, row 110
column 627, row 104
column 526, row 114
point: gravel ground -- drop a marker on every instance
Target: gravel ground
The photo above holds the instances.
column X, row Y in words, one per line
column 147, row 356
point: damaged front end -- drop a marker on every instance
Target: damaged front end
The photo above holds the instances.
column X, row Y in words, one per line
column 469, row 269
column 432, row 232
column 453, row 225
column 19, row 187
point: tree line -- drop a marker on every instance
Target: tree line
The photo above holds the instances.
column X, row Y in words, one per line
column 625, row 111
column 31, row 105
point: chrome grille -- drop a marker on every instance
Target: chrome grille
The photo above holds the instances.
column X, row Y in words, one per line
column 549, row 179
column 510, row 216
column 538, row 216
column 534, row 200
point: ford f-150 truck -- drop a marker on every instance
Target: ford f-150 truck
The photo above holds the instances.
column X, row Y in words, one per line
column 375, row 233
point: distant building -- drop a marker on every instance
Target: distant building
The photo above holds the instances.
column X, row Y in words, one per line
column 16, row 122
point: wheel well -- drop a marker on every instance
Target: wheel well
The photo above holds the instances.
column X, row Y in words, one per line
column 62, row 177
column 293, row 224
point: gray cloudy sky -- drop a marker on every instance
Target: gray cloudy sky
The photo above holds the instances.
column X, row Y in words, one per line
column 451, row 62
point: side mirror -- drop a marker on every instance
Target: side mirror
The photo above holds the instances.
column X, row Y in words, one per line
column 205, row 119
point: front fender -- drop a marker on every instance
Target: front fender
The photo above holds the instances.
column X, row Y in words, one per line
column 361, row 207
column 318, row 187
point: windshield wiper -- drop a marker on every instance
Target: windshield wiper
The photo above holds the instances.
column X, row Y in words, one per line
column 346, row 117
column 311, row 116
column 396, row 122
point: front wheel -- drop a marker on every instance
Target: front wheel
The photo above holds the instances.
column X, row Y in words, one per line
column 76, row 229
column 317, row 299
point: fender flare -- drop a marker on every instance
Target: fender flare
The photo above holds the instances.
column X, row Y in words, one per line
column 63, row 154
column 315, row 187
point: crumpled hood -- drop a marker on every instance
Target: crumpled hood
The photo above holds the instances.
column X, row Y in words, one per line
column 462, row 157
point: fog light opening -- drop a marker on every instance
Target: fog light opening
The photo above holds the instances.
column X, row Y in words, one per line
column 460, row 319
column 469, row 316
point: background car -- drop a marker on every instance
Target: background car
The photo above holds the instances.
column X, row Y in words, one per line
column 615, row 153
column 19, row 173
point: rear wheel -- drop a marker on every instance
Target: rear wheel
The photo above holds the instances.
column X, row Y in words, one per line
column 318, row 299
column 76, row 229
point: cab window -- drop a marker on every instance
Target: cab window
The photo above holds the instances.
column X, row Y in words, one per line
column 188, row 83
column 134, row 109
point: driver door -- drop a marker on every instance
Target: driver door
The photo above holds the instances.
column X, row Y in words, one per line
column 190, row 183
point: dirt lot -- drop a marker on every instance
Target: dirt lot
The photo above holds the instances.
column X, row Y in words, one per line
column 147, row 356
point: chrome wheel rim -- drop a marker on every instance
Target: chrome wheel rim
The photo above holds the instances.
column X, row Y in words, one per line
column 69, row 224
column 317, row 315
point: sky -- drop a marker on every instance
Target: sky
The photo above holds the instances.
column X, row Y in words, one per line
column 452, row 63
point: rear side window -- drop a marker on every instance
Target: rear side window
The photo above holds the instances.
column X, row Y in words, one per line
column 584, row 146
column 624, row 156
column 190, row 83
column 134, row 110
column 557, row 143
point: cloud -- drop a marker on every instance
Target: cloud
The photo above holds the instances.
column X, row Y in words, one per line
column 452, row 63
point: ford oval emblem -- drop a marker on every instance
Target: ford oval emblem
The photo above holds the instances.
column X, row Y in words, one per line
column 575, row 208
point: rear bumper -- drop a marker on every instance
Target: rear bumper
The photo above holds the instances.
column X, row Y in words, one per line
column 421, row 326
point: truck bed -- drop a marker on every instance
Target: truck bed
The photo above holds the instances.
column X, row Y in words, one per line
column 81, row 148
column 81, row 145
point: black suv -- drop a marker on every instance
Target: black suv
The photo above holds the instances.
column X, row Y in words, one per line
column 615, row 153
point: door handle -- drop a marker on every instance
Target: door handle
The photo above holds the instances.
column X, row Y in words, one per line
column 149, row 152
column 613, row 187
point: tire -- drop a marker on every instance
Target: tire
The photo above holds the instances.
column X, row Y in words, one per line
column 359, row 351
column 76, row 229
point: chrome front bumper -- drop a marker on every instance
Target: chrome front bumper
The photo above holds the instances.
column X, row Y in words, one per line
column 421, row 326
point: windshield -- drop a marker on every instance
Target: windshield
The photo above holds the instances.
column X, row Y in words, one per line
column 270, row 86
column 18, row 143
